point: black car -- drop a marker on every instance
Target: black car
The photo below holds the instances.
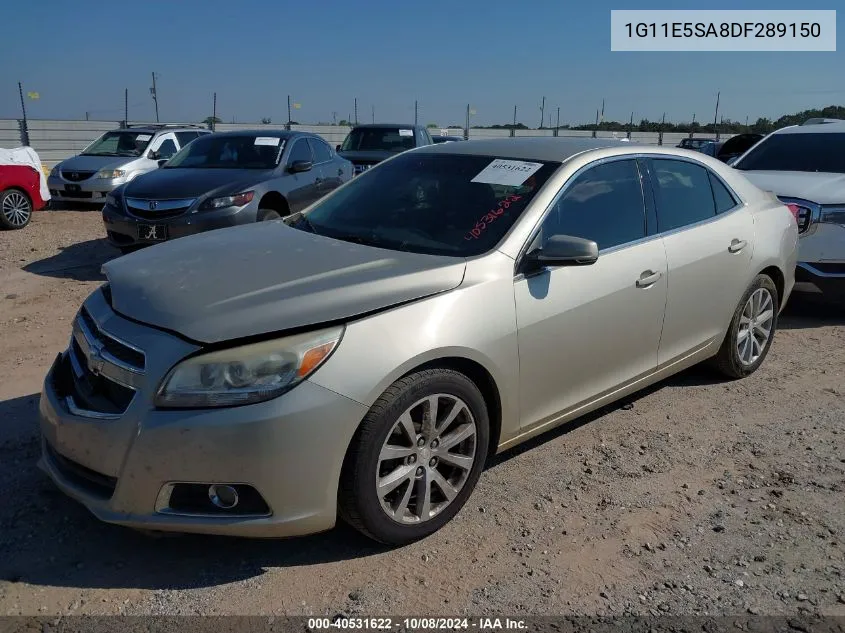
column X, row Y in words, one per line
column 223, row 180
column 737, row 145
column 695, row 144
column 368, row 145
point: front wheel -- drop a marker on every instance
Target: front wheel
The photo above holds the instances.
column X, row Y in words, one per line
column 416, row 457
column 15, row 209
column 752, row 330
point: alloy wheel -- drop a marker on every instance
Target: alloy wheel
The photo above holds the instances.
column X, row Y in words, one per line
column 755, row 326
column 16, row 209
column 426, row 459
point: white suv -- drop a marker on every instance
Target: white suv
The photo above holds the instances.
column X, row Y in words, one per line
column 804, row 165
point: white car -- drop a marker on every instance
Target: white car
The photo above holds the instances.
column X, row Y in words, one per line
column 804, row 165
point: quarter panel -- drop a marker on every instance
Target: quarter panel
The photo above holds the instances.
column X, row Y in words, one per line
column 475, row 321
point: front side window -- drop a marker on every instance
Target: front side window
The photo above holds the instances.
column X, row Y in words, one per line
column 438, row 204
column 811, row 151
column 300, row 152
column 683, row 192
column 379, row 139
column 229, row 152
column 121, row 143
column 603, row 204
column 167, row 149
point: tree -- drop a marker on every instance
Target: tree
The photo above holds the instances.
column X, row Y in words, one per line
column 344, row 122
column 266, row 120
column 209, row 120
column 431, row 125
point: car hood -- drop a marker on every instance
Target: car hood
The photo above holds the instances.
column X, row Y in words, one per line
column 820, row 188
column 267, row 277
column 96, row 163
column 367, row 157
column 174, row 183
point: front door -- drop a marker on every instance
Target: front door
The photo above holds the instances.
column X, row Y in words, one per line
column 303, row 187
column 585, row 330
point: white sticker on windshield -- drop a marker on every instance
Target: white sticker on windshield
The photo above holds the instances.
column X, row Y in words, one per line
column 143, row 137
column 406, row 132
column 506, row 172
column 267, row 140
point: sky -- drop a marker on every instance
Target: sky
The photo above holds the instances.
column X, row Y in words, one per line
column 80, row 56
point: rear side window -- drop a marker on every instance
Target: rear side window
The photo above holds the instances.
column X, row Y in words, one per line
column 684, row 195
column 186, row 137
column 603, row 204
column 322, row 152
column 721, row 196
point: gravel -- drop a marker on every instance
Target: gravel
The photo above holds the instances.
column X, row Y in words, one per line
column 702, row 497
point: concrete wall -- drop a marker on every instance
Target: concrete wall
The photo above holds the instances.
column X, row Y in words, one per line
column 57, row 140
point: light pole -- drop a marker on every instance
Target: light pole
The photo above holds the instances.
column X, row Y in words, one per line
column 154, row 94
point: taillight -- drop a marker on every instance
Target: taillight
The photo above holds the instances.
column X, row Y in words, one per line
column 795, row 210
column 802, row 213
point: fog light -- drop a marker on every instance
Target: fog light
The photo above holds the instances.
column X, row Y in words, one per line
column 224, row 497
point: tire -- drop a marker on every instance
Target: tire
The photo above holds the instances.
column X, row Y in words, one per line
column 359, row 502
column 125, row 250
column 737, row 362
column 266, row 215
column 15, row 210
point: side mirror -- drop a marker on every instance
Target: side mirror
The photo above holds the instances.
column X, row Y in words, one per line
column 299, row 166
column 337, row 148
column 563, row 250
column 153, row 155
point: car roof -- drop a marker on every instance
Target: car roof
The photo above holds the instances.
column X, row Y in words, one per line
column 259, row 132
column 153, row 129
column 549, row 148
column 825, row 126
column 377, row 125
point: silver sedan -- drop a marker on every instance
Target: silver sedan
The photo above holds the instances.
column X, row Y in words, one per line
column 365, row 357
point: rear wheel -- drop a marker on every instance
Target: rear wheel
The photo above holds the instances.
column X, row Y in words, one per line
column 752, row 330
column 416, row 457
column 15, row 209
column 265, row 215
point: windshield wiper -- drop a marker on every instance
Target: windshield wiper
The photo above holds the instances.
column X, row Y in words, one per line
column 303, row 221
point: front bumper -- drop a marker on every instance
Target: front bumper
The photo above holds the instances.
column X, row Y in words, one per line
column 289, row 449
column 92, row 190
column 122, row 228
column 828, row 277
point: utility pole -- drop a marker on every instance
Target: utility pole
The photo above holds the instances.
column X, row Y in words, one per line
column 542, row 111
column 416, row 112
column 154, row 94
column 334, row 118
column 660, row 135
column 356, row 111
column 86, row 116
column 602, row 110
column 23, row 111
column 126, row 106
column 597, row 123
column 214, row 112
column 716, row 116
column 466, row 129
column 514, row 116
column 557, row 126
column 692, row 127
column 631, row 125
column 374, row 114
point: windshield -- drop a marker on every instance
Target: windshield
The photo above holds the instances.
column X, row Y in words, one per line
column 379, row 139
column 814, row 151
column 119, row 144
column 229, row 152
column 437, row 204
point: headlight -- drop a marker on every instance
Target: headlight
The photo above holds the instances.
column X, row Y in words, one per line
column 113, row 200
column 247, row 374
column 238, row 200
column 110, row 174
column 54, row 173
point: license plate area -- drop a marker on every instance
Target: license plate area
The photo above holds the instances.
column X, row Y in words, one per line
column 152, row 232
column 73, row 188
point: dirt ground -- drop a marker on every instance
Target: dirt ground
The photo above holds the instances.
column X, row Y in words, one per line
column 698, row 496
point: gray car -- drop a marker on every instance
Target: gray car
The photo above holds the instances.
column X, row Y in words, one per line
column 366, row 357
column 224, row 180
column 117, row 157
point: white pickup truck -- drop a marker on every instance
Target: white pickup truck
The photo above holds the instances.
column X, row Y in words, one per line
column 804, row 165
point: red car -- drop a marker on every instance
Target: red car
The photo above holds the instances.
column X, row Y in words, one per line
column 19, row 195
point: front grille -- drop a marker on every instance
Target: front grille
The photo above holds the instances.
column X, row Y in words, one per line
column 91, row 481
column 804, row 217
column 114, row 347
column 162, row 209
column 90, row 392
column 76, row 176
column 360, row 168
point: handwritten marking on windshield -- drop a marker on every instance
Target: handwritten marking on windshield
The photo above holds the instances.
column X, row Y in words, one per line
column 490, row 217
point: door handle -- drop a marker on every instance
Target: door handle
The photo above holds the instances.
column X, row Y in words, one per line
column 648, row 278
column 737, row 245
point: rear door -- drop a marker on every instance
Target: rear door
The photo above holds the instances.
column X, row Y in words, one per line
column 709, row 240
column 302, row 188
column 324, row 160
